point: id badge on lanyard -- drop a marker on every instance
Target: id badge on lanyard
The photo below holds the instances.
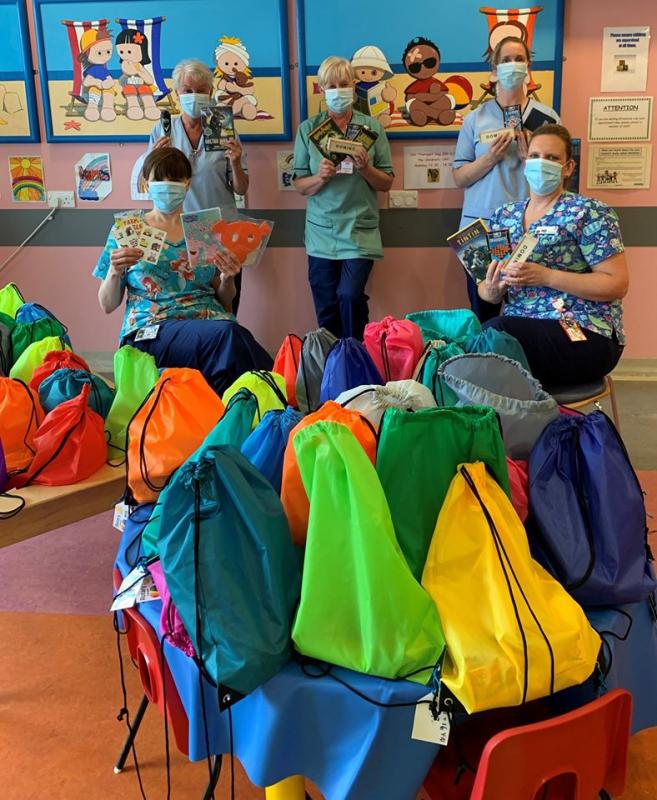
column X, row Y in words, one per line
column 571, row 327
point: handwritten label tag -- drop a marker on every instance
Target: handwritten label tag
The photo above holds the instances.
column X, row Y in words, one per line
column 120, row 516
column 428, row 729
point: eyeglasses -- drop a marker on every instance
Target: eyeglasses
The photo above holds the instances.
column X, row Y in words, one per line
column 429, row 63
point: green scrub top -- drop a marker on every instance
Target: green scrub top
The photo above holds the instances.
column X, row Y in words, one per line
column 342, row 219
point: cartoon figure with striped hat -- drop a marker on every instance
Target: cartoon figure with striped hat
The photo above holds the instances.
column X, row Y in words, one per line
column 96, row 50
column 235, row 87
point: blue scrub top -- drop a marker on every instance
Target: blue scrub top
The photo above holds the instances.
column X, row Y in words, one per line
column 210, row 171
column 505, row 182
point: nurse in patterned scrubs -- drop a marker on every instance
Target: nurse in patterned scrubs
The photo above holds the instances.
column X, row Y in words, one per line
column 564, row 304
column 180, row 310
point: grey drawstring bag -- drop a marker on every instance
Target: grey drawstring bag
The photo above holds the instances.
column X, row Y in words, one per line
column 488, row 379
column 314, row 351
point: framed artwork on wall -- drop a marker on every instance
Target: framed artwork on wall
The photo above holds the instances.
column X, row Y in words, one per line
column 106, row 67
column 440, row 49
column 18, row 116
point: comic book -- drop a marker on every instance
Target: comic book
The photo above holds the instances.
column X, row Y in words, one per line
column 362, row 134
column 320, row 135
column 471, row 247
column 218, row 126
column 513, row 117
column 499, row 243
column 212, row 231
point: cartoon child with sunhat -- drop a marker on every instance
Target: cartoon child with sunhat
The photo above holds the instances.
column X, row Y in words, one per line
column 372, row 70
column 95, row 51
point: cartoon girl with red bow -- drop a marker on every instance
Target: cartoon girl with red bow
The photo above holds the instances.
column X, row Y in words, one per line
column 136, row 81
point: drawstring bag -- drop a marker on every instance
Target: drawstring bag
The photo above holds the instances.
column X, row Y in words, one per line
column 286, row 364
column 32, row 357
column 451, row 325
column 395, row 346
column 314, row 352
column 26, row 333
column 372, row 401
column 347, row 365
column 486, row 379
column 32, row 312
column 6, row 326
column 17, row 503
column 435, row 354
column 587, row 513
column 69, row 445
column 519, row 483
column 65, row 384
column 135, row 374
column 513, row 634
column 171, row 626
column 499, row 342
column 20, row 416
column 265, row 447
column 417, row 459
column 54, row 360
column 11, row 300
column 170, row 425
column 293, row 494
column 360, row 606
column 231, row 569
column 267, row 387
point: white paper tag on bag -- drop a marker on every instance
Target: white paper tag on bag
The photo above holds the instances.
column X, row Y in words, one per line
column 136, row 587
column 120, row 516
column 428, row 729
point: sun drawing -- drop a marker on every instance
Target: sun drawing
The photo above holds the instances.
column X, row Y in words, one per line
column 27, row 178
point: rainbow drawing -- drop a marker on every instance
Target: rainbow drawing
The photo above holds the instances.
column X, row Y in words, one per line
column 27, row 183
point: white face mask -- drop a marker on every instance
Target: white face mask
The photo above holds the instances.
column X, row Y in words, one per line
column 192, row 103
column 339, row 100
column 511, row 74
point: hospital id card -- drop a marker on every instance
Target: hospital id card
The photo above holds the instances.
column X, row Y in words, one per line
column 147, row 332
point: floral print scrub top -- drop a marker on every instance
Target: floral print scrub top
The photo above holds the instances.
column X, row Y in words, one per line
column 170, row 289
column 576, row 234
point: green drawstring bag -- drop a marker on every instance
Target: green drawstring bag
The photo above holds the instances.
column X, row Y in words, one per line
column 11, row 300
column 418, row 456
column 33, row 355
column 233, row 428
column 26, row 333
column 498, row 342
column 360, row 606
column 135, row 374
column 426, row 372
column 451, row 325
column 268, row 388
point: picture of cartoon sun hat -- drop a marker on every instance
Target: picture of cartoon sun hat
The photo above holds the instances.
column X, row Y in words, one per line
column 371, row 56
column 91, row 37
column 234, row 46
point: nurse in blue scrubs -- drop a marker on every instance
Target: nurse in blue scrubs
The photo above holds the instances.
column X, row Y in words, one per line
column 342, row 234
column 492, row 174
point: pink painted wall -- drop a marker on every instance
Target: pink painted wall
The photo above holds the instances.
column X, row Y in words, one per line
column 276, row 297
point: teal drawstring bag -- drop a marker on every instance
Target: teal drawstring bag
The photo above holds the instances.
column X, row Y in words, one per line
column 65, row 384
column 499, row 342
column 427, row 370
column 451, row 325
column 231, row 568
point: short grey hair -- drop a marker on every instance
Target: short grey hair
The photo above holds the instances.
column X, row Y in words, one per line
column 194, row 68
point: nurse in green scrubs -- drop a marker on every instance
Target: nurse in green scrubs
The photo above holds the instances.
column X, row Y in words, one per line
column 342, row 234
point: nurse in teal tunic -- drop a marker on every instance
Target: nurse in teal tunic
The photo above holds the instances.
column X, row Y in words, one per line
column 342, row 236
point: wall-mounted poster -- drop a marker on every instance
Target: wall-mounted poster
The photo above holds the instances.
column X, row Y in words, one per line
column 18, row 117
column 106, row 68
column 27, row 183
column 420, row 73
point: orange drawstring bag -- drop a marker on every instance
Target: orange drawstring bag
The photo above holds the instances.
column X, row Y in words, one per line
column 69, row 445
column 20, row 416
column 167, row 428
column 293, row 494
column 286, row 364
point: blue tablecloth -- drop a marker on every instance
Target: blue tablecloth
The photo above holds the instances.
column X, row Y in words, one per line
column 352, row 749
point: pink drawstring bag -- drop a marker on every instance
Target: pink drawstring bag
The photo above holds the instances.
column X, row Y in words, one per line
column 171, row 626
column 395, row 346
column 519, row 482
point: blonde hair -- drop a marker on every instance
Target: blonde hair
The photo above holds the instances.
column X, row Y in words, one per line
column 334, row 68
column 193, row 68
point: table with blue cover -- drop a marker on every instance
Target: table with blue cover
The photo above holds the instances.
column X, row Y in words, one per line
column 353, row 749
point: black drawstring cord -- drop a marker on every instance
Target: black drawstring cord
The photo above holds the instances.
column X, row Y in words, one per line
column 163, row 669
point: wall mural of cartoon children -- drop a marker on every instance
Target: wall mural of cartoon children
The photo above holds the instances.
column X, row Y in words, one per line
column 235, row 87
column 374, row 95
column 95, row 52
column 427, row 98
column 136, row 81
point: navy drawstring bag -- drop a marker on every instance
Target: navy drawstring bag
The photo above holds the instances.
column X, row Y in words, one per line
column 587, row 522
column 265, row 447
column 348, row 365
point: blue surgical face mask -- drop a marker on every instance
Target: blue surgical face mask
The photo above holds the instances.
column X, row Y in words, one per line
column 192, row 103
column 543, row 176
column 339, row 100
column 167, row 196
column 511, row 74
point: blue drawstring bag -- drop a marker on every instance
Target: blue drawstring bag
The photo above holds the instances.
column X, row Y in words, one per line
column 587, row 522
column 231, row 568
column 499, row 342
column 32, row 312
column 65, row 384
column 265, row 447
column 348, row 365
column 451, row 325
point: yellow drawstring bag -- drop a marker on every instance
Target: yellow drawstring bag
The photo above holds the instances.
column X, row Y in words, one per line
column 513, row 634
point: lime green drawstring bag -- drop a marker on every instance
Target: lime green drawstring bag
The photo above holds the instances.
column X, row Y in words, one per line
column 417, row 458
column 360, row 606
column 426, row 372
column 33, row 355
column 135, row 374
column 233, row 428
column 268, row 388
column 11, row 300
column 451, row 325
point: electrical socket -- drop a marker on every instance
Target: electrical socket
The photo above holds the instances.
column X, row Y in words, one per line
column 403, row 199
column 61, row 199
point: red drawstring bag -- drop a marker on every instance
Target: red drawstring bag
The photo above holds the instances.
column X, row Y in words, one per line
column 519, row 482
column 70, row 445
column 54, row 360
column 395, row 346
column 286, row 364
column 20, row 416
